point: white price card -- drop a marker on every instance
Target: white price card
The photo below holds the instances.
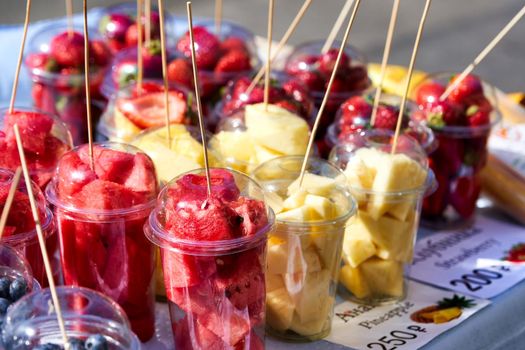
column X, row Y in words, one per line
column 483, row 260
column 409, row 324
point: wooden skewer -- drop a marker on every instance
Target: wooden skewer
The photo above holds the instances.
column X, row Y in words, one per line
column 483, row 53
column 384, row 62
column 218, row 16
column 147, row 21
column 20, row 55
column 9, row 200
column 198, row 97
column 140, row 63
column 88, row 92
column 164, row 72
column 40, row 235
column 69, row 14
column 281, row 44
column 409, row 73
column 268, row 55
column 327, row 93
column 337, row 26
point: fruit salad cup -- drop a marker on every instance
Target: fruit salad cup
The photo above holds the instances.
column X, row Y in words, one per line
column 313, row 68
column 130, row 111
column 220, row 57
column 355, row 113
column 100, row 214
column 20, row 232
column 213, row 251
column 389, row 189
column 56, row 67
column 461, row 124
column 45, row 139
column 92, row 321
column 253, row 135
column 304, row 249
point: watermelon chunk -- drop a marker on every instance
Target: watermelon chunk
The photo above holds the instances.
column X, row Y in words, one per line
column 253, row 213
column 55, row 148
column 227, row 322
column 194, row 186
column 20, row 217
column 73, row 174
column 33, row 127
column 190, row 335
column 110, row 165
column 141, row 177
column 100, row 194
column 183, row 270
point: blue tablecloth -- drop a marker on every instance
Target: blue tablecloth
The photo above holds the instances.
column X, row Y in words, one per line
column 499, row 326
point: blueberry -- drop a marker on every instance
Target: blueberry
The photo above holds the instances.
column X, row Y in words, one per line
column 76, row 344
column 4, row 304
column 5, row 282
column 17, row 289
column 48, row 346
column 97, row 342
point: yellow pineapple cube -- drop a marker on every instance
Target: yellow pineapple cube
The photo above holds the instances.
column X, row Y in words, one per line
column 318, row 324
column 279, row 309
column 314, row 184
column 310, row 303
column 353, row 280
column 357, row 243
column 323, row 207
column 383, row 277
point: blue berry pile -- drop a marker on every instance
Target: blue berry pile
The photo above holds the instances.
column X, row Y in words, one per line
column 10, row 291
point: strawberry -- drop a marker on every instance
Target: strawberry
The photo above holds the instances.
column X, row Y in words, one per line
column 207, row 47
column 132, row 35
column 114, row 27
column 312, row 80
column 239, row 86
column 441, row 113
column 464, row 194
column 68, row 50
column 449, row 155
column 386, row 117
column 357, row 78
column 436, row 203
column 468, row 87
column 327, row 61
column 516, row 253
column 355, row 110
column 152, row 59
column 42, row 61
column 291, row 106
column 301, row 64
column 233, row 43
column 180, row 71
column 233, row 61
column 477, row 116
column 338, row 86
column 429, row 92
column 99, row 53
column 297, row 90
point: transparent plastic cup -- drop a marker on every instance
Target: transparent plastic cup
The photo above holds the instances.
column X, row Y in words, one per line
column 100, row 226
column 21, row 235
column 43, row 147
column 303, row 255
column 32, row 321
column 457, row 162
column 62, row 93
column 215, row 288
column 130, row 111
column 379, row 241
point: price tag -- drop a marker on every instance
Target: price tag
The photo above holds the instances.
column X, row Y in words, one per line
column 483, row 260
column 426, row 313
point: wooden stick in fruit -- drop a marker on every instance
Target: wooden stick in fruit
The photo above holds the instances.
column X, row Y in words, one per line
column 327, row 93
column 20, row 55
column 9, row 200
column 384, row 62
column 280, row 45
column 140, row 63
column 164, row 72
column 483, row 53
column 147, row 21
column 218, row 16
column 88, row 92
column 69, row 15
column 337, row 26
column 198, row 96
column 268, row 55
column 40, row 236
column 409, row 74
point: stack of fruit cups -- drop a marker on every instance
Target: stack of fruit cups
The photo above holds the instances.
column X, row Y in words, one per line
column 213, row 252
column 313, row 68
column 16, row 279
column 220, row 57
column 462, row 125
column 92, row 321
column 20, row 232
column 389, row 189
column 56, row 66
column 100, row 213
column 304, row 249
column 354, row 116
column 253, row 135
column 130, row 111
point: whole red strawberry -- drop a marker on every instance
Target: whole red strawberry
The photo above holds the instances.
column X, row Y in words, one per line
column 297, row 90
column 442, row 113
column 180, row 71
column 429, row 93
column 99, row 53
column 464, row 192
column 289, row 105
column 312, row 80
column 470, row 86
column 152, row 59
column 115, row 26
column 233, row 43
column 42, row 61
column 328, row 59
column 301, row 64
column 386, row 117
column 477, row 116
column 356, row 107
column 207, row 47
column 234, row 61
column 68, row 49
column 357, row 78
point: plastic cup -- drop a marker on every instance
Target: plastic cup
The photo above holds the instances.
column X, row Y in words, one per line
column 25, row 240
column 105, row 249
column 32, row 321
column 115, row 126
column 215, row 289
column 41, row 166
column 63, row 93
column 379, row 240
column 303, row 256
column 457, row 162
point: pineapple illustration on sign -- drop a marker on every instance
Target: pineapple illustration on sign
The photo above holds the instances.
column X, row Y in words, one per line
column 445, row 310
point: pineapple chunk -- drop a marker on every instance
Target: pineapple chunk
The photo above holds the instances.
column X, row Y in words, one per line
column 126, row 130
column 276, row 129
column 317, row 325
column 279, row 309
column 263, row 154
column 301, row 214
column 274, row 201
column 295, row 200
column 314, row 184
column 323, row 207
column 290, row 257
column 353, row 280
column 357, row 244
column 328, row 246
column 310, row 303
column 235, row 145
column 384, row 277
column 274, row 282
